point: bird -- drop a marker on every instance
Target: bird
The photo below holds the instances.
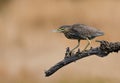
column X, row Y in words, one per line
column 79, row 32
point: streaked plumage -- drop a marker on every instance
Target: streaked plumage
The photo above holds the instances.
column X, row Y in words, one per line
column 80, row 32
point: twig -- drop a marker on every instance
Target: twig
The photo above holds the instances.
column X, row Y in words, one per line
column 103, row 50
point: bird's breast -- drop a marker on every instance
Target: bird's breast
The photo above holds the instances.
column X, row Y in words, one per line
column 71, row 35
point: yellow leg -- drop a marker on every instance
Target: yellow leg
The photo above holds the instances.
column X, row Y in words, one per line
column 89, row 42
column 76, row 46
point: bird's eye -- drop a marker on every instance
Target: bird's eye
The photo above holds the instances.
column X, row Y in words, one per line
column 62, row 28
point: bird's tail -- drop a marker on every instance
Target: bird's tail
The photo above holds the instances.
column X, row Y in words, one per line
column 100, row 33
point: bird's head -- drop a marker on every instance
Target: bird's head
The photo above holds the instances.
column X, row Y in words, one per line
column 63, row 29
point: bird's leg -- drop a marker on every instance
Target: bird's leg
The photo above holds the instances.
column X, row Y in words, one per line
column 89, row 42
column 75, row 46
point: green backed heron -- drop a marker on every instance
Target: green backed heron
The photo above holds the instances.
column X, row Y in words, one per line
column 79, row 32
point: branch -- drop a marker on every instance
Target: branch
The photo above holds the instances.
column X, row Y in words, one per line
column 103, row 50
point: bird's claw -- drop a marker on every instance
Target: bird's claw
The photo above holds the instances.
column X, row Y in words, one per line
column 83, row 51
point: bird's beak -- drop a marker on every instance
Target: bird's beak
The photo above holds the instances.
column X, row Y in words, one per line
column 56, row 30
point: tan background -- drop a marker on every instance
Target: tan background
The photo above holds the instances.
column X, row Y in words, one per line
column 28, row 47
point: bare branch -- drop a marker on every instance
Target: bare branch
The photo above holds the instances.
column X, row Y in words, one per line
column 103, row 50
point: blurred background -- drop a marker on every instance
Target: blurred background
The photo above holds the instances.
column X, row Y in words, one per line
column 28, row 47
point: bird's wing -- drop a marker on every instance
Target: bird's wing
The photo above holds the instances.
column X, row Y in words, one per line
column 86, row 31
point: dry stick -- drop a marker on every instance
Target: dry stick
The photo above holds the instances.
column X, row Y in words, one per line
column 103, row 50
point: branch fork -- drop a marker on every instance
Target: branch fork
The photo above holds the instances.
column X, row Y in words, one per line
column 103, row 50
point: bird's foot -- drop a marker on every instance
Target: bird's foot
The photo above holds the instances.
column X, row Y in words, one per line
column 84, row 50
